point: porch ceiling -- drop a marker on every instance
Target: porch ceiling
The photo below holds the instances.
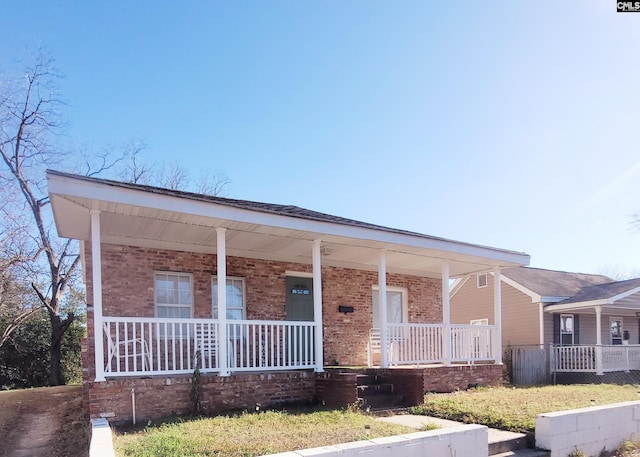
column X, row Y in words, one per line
column 138, row 218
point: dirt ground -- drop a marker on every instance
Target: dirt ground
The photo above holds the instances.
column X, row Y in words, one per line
column 47, row 421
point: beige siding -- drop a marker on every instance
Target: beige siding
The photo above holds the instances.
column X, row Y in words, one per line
column 520, row 317
column 548, row 328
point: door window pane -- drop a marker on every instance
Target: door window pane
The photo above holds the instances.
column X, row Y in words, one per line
column 395, row 307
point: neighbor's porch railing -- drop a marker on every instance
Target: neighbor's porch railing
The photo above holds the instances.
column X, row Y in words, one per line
column 155, row 346
column 415, row 344
column 594, row 358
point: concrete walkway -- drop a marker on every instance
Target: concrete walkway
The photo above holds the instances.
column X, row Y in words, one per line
column 420, row 422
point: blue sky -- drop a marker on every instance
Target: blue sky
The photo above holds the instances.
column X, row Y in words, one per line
column 509, row 124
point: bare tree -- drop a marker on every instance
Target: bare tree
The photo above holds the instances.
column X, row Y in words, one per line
column 29, row 116
column 16, row 300
column 134, row 169
column 29, row 119
column 212, row 183
column 170, row 176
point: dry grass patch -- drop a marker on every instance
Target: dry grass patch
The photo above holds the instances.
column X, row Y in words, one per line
column 44, row 421
column 515, row 409
column 252, row 434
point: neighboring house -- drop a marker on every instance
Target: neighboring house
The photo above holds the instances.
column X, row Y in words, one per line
column 609, row 330
column 304, row 290
column 583, row 318
column 526, row 292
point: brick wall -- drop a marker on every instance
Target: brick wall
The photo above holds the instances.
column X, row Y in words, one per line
column 336, row 389
column 128, row 290
column 408, row 382
column 163, row 396
column 457, row 377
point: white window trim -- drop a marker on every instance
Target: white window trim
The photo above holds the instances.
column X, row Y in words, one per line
column 405, row 299
column 573, row 328
column 155, row 295
column 486, row 280
column 298, row 274
column 244, row 295
column 613, row 319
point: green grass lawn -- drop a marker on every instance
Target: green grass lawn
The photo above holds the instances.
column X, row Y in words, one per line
column 280, row 431
column 252, row 434
column 515, row 409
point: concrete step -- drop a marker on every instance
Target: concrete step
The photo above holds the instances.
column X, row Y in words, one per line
column 523, row 453
column 382, row 401
column 503, row 441
column 366, row 379
column 372, row 389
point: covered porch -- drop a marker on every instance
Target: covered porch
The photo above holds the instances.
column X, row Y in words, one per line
column 156, row 346
column 125, row 341
column 598, row 330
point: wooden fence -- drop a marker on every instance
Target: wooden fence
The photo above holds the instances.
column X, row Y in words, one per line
column 529, row 366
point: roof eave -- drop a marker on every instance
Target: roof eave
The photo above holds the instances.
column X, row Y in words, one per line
column 65, row 185
column 558, row 307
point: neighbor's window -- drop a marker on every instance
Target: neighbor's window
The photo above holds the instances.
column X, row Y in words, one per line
column 566, row 329
column 482, row 280
column 173, row 295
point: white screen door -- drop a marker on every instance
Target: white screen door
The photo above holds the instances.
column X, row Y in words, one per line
column 396, row 307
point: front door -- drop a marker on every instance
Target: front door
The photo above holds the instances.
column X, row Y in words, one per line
column 299, row 307
column 299, row 304
column 615, row 323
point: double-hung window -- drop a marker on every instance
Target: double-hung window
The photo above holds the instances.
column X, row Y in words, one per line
column 235, row 302
column 173, row 299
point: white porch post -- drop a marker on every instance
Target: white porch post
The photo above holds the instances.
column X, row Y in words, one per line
column 446, row 313
column 382, row 290
column 599, row 340
column 497, row 310
column 541, row 318
column 96, row 268
column 223, row 341
column 317, row 306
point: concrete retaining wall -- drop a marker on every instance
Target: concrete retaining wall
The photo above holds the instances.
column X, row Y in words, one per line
column 462, row 441
column 591, row 430
column 101, row 439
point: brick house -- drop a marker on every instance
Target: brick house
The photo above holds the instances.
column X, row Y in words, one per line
column 304, row 291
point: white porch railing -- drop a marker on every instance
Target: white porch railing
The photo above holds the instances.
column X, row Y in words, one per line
column 416, row 344
column 155, row 346
column 593, row 358
column 573, row 359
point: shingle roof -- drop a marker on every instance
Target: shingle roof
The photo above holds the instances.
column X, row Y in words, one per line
column 271, row 208
column 552, row 283
column 603, row 291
